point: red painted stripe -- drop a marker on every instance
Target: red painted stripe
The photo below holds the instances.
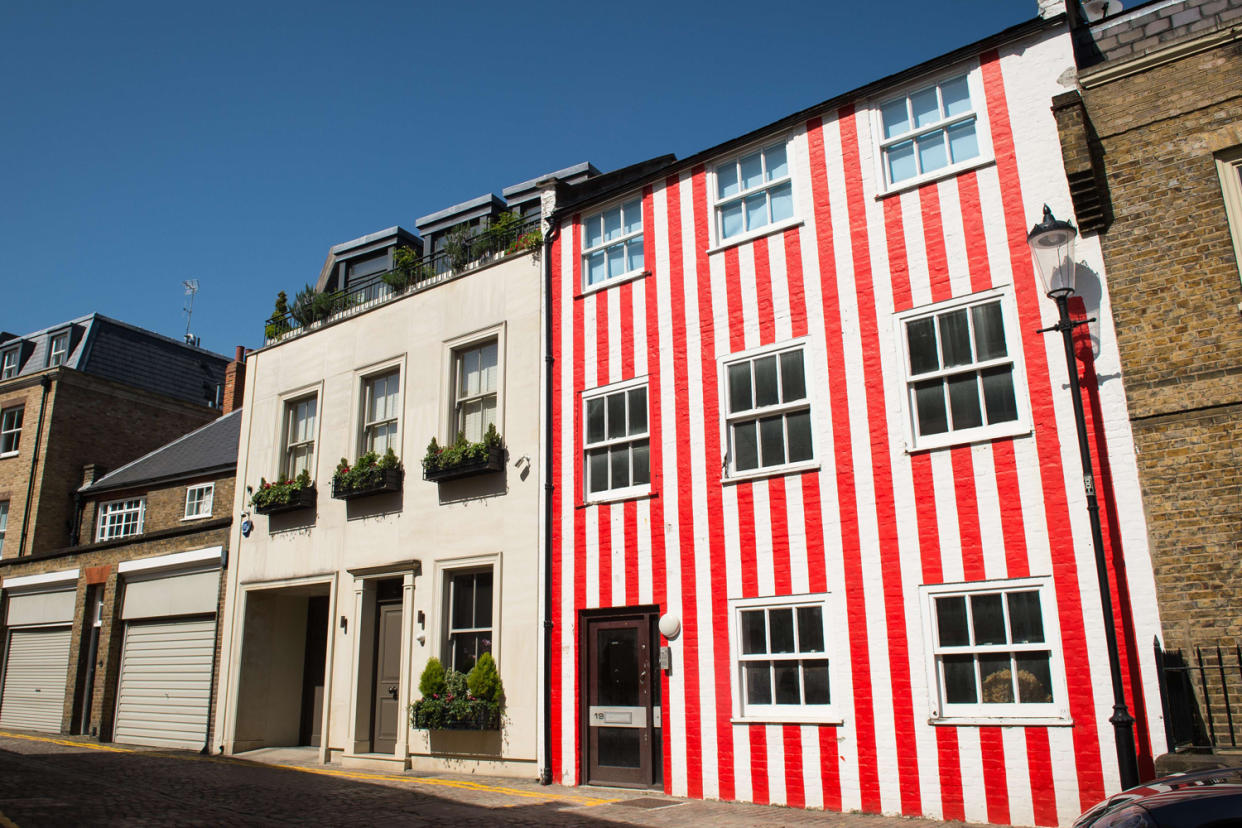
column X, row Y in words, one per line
column 579, row 551
column 995, row 785
column 558, row 504
column 685, row 493
column 933, row 243
column 1064, row 564
column 898, row 262
column 601, row 590
column 630, row 545
column 873, row 345
column 830, row 768
column 603, row 365
column 711, row 477
column 972, row 227
column 949, row 762
column 759, row 765
column 797, row 287
column 733, row 301
column 1009, row 495
column 778, row 510
column 746, row 533
column 625, row 300
column 795, row 785
column 969, row 533
column 856, row 607
column 763, row 292
column 1039, row 772
column 655, row 425
column 813, row 519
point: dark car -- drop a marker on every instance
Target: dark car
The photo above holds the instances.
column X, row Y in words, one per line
column 1202, row 799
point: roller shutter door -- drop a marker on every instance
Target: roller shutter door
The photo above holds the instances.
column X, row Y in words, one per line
column 165, row 685
column 34, row 679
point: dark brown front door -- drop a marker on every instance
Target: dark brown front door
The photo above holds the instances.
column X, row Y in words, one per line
column 621, row 700
column 386, row 718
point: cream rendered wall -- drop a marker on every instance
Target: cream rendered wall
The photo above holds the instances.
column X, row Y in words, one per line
column 435, row 524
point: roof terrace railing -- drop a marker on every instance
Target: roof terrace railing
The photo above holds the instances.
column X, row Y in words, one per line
column 460, row 255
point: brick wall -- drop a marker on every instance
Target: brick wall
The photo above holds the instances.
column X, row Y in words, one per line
column 165, row 507
column 15, row 471
column 1153, row 26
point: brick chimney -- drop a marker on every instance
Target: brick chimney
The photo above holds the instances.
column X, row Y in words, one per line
column 234, row 382
column 92, row 472
column 1050, row 8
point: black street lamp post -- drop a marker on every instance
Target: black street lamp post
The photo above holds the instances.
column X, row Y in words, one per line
column 1052, row 244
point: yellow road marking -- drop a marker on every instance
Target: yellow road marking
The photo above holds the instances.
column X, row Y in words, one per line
column 5, row 822
column 460, row 784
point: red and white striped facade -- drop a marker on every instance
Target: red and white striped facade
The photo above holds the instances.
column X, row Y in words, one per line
column 873, row 521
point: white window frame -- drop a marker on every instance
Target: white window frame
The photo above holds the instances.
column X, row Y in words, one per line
column 207, row 496
column 461, row 344
column 9, row 363
column 1055, row 712
column 729, row 419
column 719, row 241
column 623, row 492
column 4, row 521
column 120, row 509
column 978, row 111
column 10, row 429
column 586, row 252
column 1014, row 357
column 444, row 572
column 288, row 410
column 366, row 389
column 778, row 713
column 57, row 356
column 1229, row 168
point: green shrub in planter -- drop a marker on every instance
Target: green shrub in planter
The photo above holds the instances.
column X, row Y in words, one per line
column 449, row 704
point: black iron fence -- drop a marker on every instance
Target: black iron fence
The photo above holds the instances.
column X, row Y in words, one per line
column 460, row 254
column 1201, row 691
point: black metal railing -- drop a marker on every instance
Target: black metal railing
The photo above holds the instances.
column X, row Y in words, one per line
column 460, row 255
column 1201, row 692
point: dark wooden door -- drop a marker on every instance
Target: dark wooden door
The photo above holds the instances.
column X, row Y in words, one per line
column 386, row 717
column 619, row 710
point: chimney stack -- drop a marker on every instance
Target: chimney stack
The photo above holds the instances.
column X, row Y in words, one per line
column 234, row 382
column 1050, row 8
column 92, row 472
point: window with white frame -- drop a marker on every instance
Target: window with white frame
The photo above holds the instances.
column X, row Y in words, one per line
column 476, row 374
column 120, row 518
column 198, row 500
column 753, row 191
column 380, row 412
column 931, row 129
column 1229, row 167
column 992, row 651
column 299, row 432
column 8, row 363
column 616, row 446
column 612, row 243
column 469, row 618
column 781, row 657
column 4, row 521
column 11, row 429
column 769, row 412
column 961, row 379
column 59, row 350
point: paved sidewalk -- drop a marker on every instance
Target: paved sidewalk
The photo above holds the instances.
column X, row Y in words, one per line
column 49, row 780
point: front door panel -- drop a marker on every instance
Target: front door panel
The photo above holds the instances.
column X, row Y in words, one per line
column 387, row 716
column 619, row 723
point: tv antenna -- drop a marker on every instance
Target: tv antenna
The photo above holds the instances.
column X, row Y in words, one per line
column 191, row 288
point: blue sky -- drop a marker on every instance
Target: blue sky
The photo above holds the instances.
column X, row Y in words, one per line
column 142, row 144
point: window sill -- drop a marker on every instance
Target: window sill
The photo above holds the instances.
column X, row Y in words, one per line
column 787, row 718
column 10, row 454
column 1000, row 721
column 195, row 517
column 1018, row 428
column 928, row 178
column 766, row 230
column 774, row 471
column 619, row 497
column 613, row 282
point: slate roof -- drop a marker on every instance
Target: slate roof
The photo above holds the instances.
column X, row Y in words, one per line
column 127, row 354
column 212, row 447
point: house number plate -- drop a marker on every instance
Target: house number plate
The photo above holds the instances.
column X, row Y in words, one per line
column 618, row 716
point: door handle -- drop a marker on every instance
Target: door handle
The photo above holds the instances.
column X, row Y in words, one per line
column 392, row 691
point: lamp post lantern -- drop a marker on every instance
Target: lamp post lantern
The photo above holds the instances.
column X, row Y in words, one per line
column 1052, row 245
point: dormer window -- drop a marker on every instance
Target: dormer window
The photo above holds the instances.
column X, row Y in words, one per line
column 8, row 363
column 360, row 269
column 58, row 350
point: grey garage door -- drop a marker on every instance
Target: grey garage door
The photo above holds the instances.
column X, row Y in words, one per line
column 165, row 686
column 34, row 679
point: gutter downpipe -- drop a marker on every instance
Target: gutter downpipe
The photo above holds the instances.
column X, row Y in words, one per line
column 46, row 383
column 545, row 772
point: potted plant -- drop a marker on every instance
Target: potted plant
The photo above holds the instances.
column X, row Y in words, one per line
column 371, row 474
column 408, row 268
column 464, row 458
column 452, row 701
column 283, row 496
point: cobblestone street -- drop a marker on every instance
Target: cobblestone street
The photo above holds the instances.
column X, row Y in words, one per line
column 46, row 781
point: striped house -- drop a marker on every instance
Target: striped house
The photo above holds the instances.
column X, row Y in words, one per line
column 817, row 526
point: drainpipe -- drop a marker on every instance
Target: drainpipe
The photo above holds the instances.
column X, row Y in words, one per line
column 545, row 773
column 46, row 383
